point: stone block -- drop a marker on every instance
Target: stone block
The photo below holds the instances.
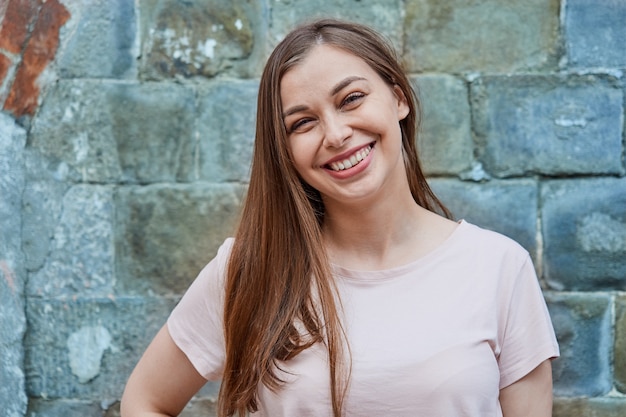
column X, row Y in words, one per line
column 63, row 408
column 619, row 350
column 595, row 33
column 168, row 233
column 12, row 271
column 445, row 140
column 507, row 207
column 584, row 233
column 551, row 125
column 485, row 36
column 384, row 16
column 80, row 258
column 84, row 349
column 225, row 133
column 113, row 55
column 40, row 50
column 201, row 38
column 582, row 323
column 589, row 407
column 108, row 132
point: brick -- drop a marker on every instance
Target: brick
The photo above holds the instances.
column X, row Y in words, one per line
column 589, row 407
column 444, row 141
column 595, row 33
column 459, row 35
column 507, row 207
column 582, row 323
column 385, row 16
column 619, row 350
column 18, row 16
column 201, row 38
column 81, row 254
column 584, row 233
column 109, row 132
column 225, row 137
column 114, row 55
column 51, row 324
column 12, row 271
column 163, row 238
column 551, row 125
column 41, row 49
column 5, row 65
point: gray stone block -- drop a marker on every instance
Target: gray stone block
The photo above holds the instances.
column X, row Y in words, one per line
column 201, row 38
column 121, row 328
column 12, row 271
column 595, row 33
column 619, row 349
column 589, row 407
column 490, row 35
column 548, row 125
column 64, row 408
column 225, row 133
column 507, row 207
column 584, row 233
column 81, row 253
column 445, row 140
column 113, row 55
column 107, row 132
column 385, row 16
column 582, row 323
column 166, row 234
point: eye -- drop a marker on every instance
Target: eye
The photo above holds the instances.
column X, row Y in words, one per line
column 300, row 125
column 352, row 100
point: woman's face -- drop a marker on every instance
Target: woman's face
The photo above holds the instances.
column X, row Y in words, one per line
column 342, row 122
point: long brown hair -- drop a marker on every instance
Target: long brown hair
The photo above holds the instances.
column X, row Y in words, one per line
column 280, row 295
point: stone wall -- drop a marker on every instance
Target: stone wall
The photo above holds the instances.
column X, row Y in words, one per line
column 125, row 141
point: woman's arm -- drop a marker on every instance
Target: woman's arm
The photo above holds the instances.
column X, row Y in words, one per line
column 531, row 395
column 163, row 381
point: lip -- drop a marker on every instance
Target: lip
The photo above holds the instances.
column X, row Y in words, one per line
column 347, row 154
column 355, row 170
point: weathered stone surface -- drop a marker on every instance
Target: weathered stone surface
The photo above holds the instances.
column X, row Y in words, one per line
column 491, row 35
column 63, row 408
column 583, row 328
column 39, row 52
column 12, row 272
column 589, row 407
column 619, row 349
column 105, row 132
column 385, row 16
column 16, row 17
column 507, row 207
column 130, row 323
column 595, row 33
column 167, row 233
column 548, row 125
column 113, row 24
column 81, row 253
column 584, row 233
column 445, row 141
column 200, row 38
column 225, row 133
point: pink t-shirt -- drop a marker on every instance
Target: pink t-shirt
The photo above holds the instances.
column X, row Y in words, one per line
column 439, row 336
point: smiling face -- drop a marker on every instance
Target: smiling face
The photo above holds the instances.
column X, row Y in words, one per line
column 342, row 122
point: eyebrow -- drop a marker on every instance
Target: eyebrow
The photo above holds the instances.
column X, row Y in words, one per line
column 337, row 88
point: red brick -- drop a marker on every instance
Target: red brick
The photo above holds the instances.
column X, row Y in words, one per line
column 18, row 18
column 39, row 51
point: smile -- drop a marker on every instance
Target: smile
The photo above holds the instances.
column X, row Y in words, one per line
column 353, row 160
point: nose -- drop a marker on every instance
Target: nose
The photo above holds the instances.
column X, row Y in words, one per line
column 336, row 130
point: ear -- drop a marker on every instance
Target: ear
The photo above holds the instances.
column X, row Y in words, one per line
column 401, row 101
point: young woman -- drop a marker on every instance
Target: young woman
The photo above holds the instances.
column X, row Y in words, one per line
column 347, row 291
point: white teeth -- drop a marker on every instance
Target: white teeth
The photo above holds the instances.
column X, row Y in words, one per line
column 352, row 161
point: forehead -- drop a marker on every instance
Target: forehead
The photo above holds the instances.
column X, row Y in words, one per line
column 325, row 65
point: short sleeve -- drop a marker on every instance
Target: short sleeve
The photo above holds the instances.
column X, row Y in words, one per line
column 195, row 324
column 526, row 335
